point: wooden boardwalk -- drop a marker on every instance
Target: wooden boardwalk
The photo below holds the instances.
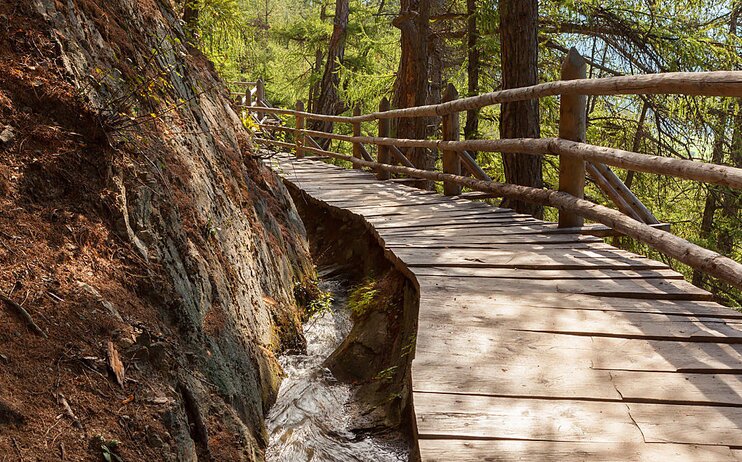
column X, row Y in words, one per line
column 538, row 345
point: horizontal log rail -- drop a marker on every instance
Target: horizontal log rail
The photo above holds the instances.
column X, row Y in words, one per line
column 576, row 156
column 717, row 83
column 681, row 168
column 678, row 248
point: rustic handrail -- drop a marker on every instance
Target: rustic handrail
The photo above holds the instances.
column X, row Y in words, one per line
column 686, row 252
column 633, row 220
column 722, row 175
column 715, row 83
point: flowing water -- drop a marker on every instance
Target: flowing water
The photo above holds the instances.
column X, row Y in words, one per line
column 313, row 414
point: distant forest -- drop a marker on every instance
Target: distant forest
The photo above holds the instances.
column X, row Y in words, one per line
column 334, row 55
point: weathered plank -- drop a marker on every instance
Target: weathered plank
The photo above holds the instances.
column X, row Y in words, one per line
column 662, row 289
column 567, row 382
column 545, row 274
column 447, row 301
column 551, row 259
column 462, row 450
column 466, row 416
column 475, row 347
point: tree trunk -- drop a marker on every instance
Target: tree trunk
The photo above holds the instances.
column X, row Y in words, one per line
column 328, row 101
column 190, row 16
column 411, row 85
column 725, row 198
column 519, row 58
column 711, row 205
column 472, row 70
column 314, row 89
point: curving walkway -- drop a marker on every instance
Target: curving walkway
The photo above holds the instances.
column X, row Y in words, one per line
column 535, row 344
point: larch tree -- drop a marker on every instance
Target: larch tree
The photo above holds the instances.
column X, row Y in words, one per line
column 472, row 68
column 411, row 84
column 328, row 100
column 519, row 61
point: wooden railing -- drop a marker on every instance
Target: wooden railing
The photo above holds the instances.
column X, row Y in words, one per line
column 575, row 156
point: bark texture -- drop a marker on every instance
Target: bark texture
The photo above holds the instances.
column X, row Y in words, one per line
column 519, row 58
column 328, row 101
column 411, row 86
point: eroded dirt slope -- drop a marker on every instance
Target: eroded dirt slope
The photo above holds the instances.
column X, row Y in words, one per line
column 133, row 223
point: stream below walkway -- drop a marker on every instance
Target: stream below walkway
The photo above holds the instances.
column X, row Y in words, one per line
column 313, row 416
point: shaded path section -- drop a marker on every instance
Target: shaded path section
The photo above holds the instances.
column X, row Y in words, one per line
column 534, row 344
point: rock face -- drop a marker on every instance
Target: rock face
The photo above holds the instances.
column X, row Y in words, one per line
column 207, row 244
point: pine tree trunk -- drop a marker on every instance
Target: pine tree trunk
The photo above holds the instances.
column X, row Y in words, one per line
column 190, row 16
column 411, row 85
column 328, row 101
column 472, row 69
column 711, row 205
column 519, row 58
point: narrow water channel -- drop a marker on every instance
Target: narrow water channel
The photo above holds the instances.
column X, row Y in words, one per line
column 313, row 414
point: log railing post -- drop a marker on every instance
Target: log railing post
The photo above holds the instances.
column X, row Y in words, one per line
column 357, row 132
column 248, row 96
column 299, row 134
column 451, row 160
column 382, row 155
column 572, row 126
column 259, row 96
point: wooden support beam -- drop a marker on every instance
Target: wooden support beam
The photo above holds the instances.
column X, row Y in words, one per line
column 356, row 132
column 248, row 97
column 471, row 164
column 382, row 153
column 401, row 157
column 260, row 96
column 300, row 136
column 310, row 140
column 572, row 126
column 365, row 154
column 611, row 192
column 451, row 160
column 639, row 208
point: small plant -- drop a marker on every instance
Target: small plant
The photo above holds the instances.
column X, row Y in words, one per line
column 362, row 297
column 321, row 304
column 310, row 297
column 108, row 448
column 386, row 374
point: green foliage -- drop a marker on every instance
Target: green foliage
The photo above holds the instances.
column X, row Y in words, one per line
column 108, row 449
column 284, row 42
column 311, row 298
column 363, row 297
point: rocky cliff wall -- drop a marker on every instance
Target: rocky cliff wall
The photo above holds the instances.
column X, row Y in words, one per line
column 136, row 224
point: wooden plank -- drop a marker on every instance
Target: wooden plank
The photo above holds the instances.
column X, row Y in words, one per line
column 576, row 321
column 552, row 259
column 463, row 416
column 446, row 415
column 414, row 223
column 485, row 242
column 447, row 301
column 510, row 247
column 567, row 382
column 689, row 424
column 627, row 288
column 546, row 274
column 460, row 349
column 454, row 213
column 450, row 210
column 461, row 450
